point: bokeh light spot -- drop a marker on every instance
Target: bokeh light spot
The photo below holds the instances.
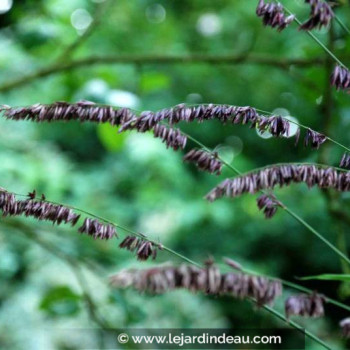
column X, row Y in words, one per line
column 5, row 5
column 209, row 24
column 121, row 98
column 81, row 19
column 155, row 13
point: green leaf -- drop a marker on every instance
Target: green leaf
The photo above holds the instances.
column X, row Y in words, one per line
column 110, row 138
column 154, row 81
column 60, row 301
column 328, row 277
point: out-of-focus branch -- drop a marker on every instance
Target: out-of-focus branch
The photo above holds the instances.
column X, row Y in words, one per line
column 97, row 19
column 72, row 263
column 281, row 63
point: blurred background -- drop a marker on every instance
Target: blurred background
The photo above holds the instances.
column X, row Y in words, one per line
column 69, row 50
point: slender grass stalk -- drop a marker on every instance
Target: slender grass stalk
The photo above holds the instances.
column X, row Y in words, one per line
column 284, row 207
column 324, row 47
column 342, row 24
column 318, row 235
column 140, row 235
column 305, row 127
column 296, row 326
column 297, row 287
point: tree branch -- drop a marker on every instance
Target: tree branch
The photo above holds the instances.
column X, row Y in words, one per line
column 55, row 68
column 100, row 11
column 91, row 307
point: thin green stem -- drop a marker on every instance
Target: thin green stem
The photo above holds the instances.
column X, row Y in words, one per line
column 140, row 235
column 317, row 234
column 342, row 24
column 324, row 47
column 283, row 206
column 305, row 127
column 296, row 287
column 296, row 326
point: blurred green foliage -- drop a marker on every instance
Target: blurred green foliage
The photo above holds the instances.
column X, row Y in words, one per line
column 135, row 181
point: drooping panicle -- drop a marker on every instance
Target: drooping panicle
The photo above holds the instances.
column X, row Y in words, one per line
column 126, row 119
column 269, row 204
column 277, row 126
column 8, row 203
column 273, row 15
column 171, row 137
column 144, row 249
column 340, row 78
column 96, row 229
column 345, row 161
column 345, row 327
column 40, row 210
column 204, row 160
column 182, row 113
column 281, row 175
column 321, row 15
column 83, row 111
column 209, row 280
column 306, row 305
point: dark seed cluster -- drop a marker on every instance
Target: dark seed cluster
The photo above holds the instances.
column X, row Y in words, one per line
column 96, row 229
column 204, row 160
column 171, row 137
column 86, row 111
column 315, row 139
column 282, row 175
column 144, row 249
column 56, row 213
column 83, row 111
column 148, row 120
column 340, row 78
column 321, row 15
column 40, row 210
column 47, row 211
column 305, row 305
column 269, row 204
column 8, row 203
column 345, row 161
column 209, row 280
column 276, row 125
column 273, row 15
column 345, row 327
